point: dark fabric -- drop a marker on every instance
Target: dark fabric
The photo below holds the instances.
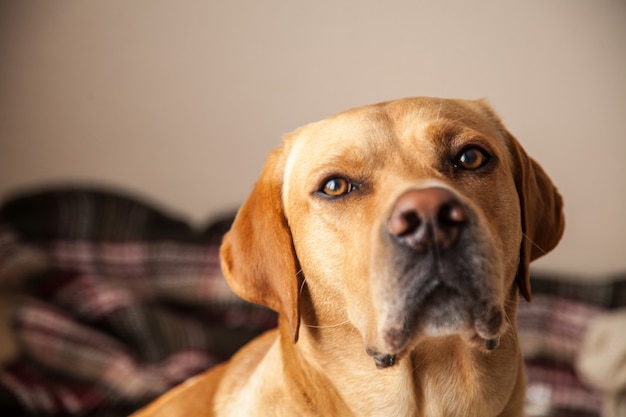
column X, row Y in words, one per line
column 551, row 330
column 122, row 302
column 92, row 215
column 608, row 293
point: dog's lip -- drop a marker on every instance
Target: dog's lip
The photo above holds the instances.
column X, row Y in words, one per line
column 479, row 323
column 384, row 360
column 490, row 323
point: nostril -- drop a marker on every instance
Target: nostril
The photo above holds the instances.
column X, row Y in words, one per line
column 412, row 221
column 403, row 223
column 452, row 214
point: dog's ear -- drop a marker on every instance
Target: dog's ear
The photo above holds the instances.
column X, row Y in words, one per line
column 541, row 208
column 257, row 254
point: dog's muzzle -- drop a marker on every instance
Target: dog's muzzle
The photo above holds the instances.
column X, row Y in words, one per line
column 437, row 282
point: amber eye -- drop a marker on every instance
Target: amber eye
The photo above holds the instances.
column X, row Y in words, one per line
column 471, row 158
column 337, row 187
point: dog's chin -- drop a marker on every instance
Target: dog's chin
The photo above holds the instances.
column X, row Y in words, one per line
column 445, row 313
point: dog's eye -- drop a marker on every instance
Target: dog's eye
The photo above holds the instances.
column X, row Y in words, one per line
column 337, row 187
column 471, row 158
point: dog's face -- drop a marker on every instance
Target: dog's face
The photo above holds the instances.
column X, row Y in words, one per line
column 405, row 218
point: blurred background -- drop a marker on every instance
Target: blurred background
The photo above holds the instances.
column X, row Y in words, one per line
column 182, row 101
column 179, row 102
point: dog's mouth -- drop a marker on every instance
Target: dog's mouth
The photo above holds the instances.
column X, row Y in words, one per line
column 440, row 310
column 438, row 274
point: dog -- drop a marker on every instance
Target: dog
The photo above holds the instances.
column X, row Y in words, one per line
column 394, row 240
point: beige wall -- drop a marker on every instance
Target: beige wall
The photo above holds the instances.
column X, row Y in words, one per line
column 181, row 100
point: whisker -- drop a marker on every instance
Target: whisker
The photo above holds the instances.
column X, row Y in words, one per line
column 508, row 319
column 534, row 244
column 418, row 364
column 301, row 285
column 328, row 325
column 439, row 111
column 311, row 325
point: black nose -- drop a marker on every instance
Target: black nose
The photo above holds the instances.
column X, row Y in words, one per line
column 427, row 218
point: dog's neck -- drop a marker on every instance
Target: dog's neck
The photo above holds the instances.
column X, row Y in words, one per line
column 330, row 362
column 333, row 378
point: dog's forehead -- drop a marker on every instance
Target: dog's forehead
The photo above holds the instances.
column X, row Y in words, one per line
column 360, row 130
column 368, row 133
column 352, row 134
column 348, row 139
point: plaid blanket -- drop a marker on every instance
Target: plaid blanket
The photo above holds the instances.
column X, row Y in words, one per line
column 551, row 331
column 123, row 301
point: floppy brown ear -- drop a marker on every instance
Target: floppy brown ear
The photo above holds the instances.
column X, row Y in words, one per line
column 542, row 213
column 257, row 254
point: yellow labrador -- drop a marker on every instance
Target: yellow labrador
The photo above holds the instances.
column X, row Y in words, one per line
column 393, row 240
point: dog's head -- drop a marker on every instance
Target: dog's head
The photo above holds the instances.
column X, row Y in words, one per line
column 409, row 218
